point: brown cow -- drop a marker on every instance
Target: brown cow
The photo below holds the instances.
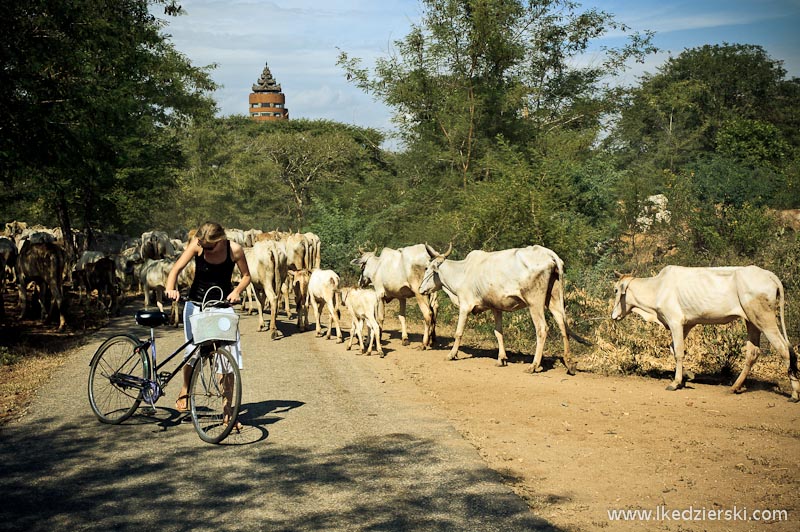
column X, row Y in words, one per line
column 42, row 264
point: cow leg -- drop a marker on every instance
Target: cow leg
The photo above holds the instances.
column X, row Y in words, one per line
column 424, row 306
column 751, row 351
column 381, row 310
column 375, row 332
column 317, row 311
column 780, row 343
column 502, row 358
column 273, row 312
column 58, row 303
column 678, row 346
column 557, row 310
column 22, row 301
column 402, row 316
column 360, row 333
column 434, row 306
column 540, row 326
column 334, row 321
column 174, row 318
column 462, row 321
column 352, row 339
column 285, row 293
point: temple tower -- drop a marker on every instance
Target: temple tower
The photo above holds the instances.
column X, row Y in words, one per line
column 267, row 102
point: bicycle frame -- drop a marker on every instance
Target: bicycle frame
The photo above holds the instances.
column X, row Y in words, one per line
column 157, row 380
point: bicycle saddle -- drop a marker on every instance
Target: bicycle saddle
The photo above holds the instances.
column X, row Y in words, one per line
column 151, row 318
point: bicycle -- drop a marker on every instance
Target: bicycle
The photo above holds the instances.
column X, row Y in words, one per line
column 124, row 372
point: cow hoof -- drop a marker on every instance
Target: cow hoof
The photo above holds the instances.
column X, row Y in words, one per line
column 571, row 371
column 794, row 399
column 383, row 355
column 739, row 390
column 452, row 357
column 688, row 375
column 339, row 341
column 405, row 341
column 672, row 388
column 501, row 363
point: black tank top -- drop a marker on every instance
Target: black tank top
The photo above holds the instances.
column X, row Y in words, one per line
column 207, row 275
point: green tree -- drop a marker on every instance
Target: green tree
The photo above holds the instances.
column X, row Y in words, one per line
column 476, row 70
column 93, row 92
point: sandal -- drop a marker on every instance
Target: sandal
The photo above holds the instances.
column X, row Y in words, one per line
column 182, row 407
column 236, row 426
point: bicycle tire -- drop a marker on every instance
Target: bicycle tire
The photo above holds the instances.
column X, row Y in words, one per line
column 114, row 399
column 215, row 380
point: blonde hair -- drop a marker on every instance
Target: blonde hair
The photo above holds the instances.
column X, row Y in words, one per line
column 210, row 233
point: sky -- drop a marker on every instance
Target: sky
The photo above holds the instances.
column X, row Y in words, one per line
column 300, row 40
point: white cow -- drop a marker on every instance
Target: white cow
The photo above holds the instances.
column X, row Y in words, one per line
column 680, row 298
column 153, row 278
column 267, row 264
column 397, row 274
column 504, row 281
column 363, row 306
column 323, row 286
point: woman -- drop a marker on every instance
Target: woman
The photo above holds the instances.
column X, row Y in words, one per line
column 214, row 256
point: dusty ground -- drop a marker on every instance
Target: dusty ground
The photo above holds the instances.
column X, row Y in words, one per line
column 579, row 447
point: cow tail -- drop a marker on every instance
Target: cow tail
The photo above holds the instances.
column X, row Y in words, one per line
column 276, row 275
column 570, row 332
column 793, row 370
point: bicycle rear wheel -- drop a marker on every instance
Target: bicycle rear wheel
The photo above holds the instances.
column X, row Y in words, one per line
column 116, row 374
column 215, row 395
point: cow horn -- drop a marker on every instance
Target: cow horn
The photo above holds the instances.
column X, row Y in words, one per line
column 376, row 249
column 432, row 253
column 617, row 274
column 361, row 250
column 449, row 251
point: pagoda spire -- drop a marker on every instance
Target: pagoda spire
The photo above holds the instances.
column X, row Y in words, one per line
column 266, row 83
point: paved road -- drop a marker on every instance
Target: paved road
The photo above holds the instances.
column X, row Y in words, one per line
column 328, row 446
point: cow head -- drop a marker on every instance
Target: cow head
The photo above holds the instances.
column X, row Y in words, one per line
column 621, row 308
column 367, row 273
column 430, row 281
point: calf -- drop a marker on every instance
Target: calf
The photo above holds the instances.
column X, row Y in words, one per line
column 42, row 264
column 322, row 288
column 363, row 307
column 299, row 281
column 102, row 276
column 80, row 273
column 680, row 298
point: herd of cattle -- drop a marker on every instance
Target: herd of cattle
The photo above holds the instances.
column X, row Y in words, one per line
column 502, row 281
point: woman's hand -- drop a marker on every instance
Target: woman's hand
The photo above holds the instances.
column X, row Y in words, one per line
column 234, row 297
column 172, row 294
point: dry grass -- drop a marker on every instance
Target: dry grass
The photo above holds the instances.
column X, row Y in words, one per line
column 20, row 381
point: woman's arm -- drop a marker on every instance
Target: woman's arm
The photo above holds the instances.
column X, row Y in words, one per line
column 237, row 254
column 172, row 279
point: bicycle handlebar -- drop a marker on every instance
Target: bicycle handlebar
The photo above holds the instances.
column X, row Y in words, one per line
column 210, row 304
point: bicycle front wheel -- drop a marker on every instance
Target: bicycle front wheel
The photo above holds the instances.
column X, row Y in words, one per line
column 215, row 395
column 116, row 374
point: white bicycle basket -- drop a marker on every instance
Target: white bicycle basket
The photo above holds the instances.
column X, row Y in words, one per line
column 213, row 325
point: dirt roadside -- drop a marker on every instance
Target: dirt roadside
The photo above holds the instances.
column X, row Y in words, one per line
column 577, row 448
